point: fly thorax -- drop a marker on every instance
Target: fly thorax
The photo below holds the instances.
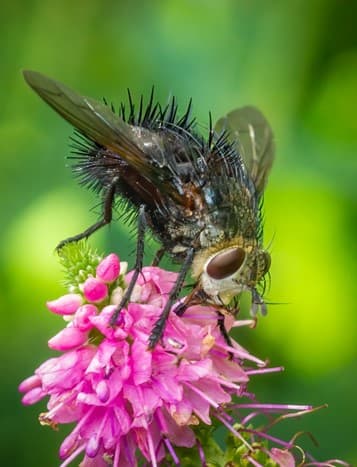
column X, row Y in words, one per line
column 225, row 273
column 209, row 235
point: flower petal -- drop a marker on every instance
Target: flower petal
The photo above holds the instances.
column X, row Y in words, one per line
column 82, row 317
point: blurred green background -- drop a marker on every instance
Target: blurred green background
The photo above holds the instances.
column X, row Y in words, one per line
column 297, row 61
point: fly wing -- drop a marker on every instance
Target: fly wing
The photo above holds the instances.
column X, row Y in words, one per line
column 97, row 121
column 249, row 130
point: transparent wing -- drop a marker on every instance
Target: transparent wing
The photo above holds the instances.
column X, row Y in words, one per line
column 251, row 132
column 96, row 121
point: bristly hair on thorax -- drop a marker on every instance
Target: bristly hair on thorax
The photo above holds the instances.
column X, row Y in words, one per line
column 87, row 153
column 152, row 117
column 92, row 164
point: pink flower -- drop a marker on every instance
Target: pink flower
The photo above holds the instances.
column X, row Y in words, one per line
column 129, row 403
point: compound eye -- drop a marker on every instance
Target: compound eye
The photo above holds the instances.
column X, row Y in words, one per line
column 226, row 263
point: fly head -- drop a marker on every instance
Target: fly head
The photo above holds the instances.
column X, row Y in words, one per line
column 226, row 270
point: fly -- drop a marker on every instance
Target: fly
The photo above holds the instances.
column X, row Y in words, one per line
column 200, row 197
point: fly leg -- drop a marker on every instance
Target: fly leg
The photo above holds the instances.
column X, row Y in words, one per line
column 222, row 328
column 257, row 303
column 181, row 308
column 195, row 297
column 138, row 265
column 159, row 326
column 158, row 257
column 107, row 217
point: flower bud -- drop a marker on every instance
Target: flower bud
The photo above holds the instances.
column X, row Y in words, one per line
column 93, row 446
column 68, row 445
column 108, row 270
column 65, row 305
column 94, row 290
column 33, row 396
column 67, row 339
column 282, row 457
column 30, row 383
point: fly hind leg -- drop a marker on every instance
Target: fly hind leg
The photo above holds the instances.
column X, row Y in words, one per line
column 107, row 217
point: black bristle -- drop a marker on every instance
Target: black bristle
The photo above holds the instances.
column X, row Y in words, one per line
column 151, row 121
column 147, row 114
column 122, row 111
column 210, row 132
column 140, row 114
column 184, row 121
column 131, row 117
column 172, row 110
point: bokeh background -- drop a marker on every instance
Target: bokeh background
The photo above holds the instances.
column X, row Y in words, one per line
column 297, row 61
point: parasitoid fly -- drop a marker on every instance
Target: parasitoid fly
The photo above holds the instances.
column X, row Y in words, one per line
column 200, row 197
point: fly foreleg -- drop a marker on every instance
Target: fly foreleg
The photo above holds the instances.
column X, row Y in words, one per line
column 159, row 326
